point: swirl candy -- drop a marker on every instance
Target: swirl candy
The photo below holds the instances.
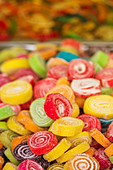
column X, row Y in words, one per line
column 13, row 65
column 38, row 114
column 109, row 133
column 17, row 92
column 42, row 142
column 29, row 164
column 100, row 106
column 22, row 152
column 56, row 166
column 17, row 127
column 81, row 148
column 43, row 86
column 56, row 106
column 76, row 110
column 80, row 69
column 4, row 79
column 83, row 161
column 57, row 151
column 86, row 87
column 67, row 126
column 63, row 89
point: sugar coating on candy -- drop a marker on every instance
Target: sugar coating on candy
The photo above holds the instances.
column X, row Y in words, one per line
column 90, row 122
column 22, row 152
column 86, row 87
column 30, row 79
column 42, row 142
column 58, row 71
column 72, row 42
column 4, row 79
column 106, row 77
column 56, row 106
column 83, row 161
column 29, row 164
column 80, row 69
column 109, row 133
column 43, row 86
column 103, row 159
column 56, row 166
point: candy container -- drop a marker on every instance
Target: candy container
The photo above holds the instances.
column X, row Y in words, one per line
column 95, row 105
column 81, row 148
column 90, row 122
column 17, row 64
column 17, row 92
column 80, row 69
column 43, row 86
column 67, row 126
column 57, row 71
column 67, row 56
column 56, row 106
column 38, row 65
column 29, row 164
column 86, row 87
column 57, row 151
column 42, row 142
column 38, row 114
column 105, row 76
column 83, row 161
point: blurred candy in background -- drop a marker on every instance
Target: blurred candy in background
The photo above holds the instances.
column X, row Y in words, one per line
column 45, row 20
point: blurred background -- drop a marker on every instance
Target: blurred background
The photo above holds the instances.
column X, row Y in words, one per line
column 46, row 20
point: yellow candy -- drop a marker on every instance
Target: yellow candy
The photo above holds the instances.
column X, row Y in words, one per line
column 10, row 166
column 65, row 166
column 62, row 80
column 76, row 110
column 100, row 106
column 56, row 166
column 81, row 137
column 17, row 92
column 67, row 126
column 56, row 152
column 81, row 148
column 17, row 127
column 13, row 65
column 65, row 90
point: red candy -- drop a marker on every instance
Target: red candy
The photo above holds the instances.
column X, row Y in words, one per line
column 109, row 133
column 43, row 86
column 56, row 106
column 26, row 105
column 42, row 142
column 16, row 108
column 30, row 165
column 103, row 159
column 90, row 122
column 80, row 69
column 106, row 77
column 57, row 71
column 23, row 56
column 30, row 79
column 4, row 79
column 86, row 87
column 25, row 72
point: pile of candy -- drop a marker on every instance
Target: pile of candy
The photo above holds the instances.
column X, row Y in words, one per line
column 53, row 19
column 56, row 109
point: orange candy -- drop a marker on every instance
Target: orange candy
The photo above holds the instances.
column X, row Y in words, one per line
column 109, row 150
column 91, row 151
column 56, row 61
column 80, row 101
column 1, row 162
column 65, row 90
column 25, row 118
column 100, row 138
column 62, row 80
column 1, row 145
column 18, row 140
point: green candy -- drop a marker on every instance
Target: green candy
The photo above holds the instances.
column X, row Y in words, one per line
column 10, row 156
column 100, row 58
column 38, row 114
column 97, row 67
column 6, row 112
column 107, row 90
column 111, row 159
column 37, row 63
column 3, row 126
column 6, row 138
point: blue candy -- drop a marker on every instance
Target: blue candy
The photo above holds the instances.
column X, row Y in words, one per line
column 105, row 122
column 67, row 56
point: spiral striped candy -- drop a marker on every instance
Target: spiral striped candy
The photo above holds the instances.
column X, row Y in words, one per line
column 83, row 161
column 56, row 166
column 22, row 152
column 42, row 142
column 29, row 165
